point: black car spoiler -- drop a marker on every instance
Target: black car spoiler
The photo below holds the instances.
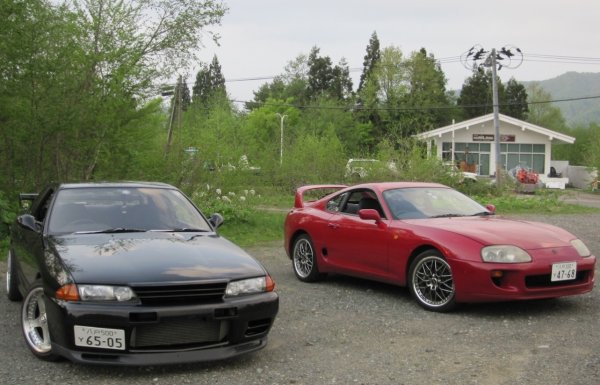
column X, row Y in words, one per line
column 27, row 197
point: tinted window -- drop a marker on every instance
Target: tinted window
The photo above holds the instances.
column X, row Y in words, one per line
column 102, row 208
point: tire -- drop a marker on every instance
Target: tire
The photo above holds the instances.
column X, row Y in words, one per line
column 430, row 282
column 35, row 324
column 304, row 259
column 12, row 283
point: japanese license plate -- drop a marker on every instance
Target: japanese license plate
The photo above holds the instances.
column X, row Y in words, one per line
column 564, row 271
column 101, row 338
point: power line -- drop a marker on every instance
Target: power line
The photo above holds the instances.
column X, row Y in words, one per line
column 407, row 109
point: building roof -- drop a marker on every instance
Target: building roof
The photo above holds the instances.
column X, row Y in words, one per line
column 503, row 118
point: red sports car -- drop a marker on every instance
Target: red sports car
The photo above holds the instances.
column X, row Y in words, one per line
column 444, row 246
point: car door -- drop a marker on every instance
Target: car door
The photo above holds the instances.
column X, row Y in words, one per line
column 355, row 245
column 28, row 244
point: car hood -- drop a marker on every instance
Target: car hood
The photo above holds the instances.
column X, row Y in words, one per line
column 502, row 231
column 152, row 257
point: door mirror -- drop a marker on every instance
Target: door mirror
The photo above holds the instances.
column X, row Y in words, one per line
column 491, row 208
column 27, row 221
column 372, row 214
column 216, row 220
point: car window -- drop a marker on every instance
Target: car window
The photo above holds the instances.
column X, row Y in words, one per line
column 362, row 199
column 103, row 208
column 335, row 203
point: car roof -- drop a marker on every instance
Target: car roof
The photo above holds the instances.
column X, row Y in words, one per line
column 382, row 186
column 130, row 184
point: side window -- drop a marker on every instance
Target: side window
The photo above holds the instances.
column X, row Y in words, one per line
column 40, row 209
column 362, row 199
column 334, row 204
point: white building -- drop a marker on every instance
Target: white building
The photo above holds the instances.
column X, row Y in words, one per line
column 470, row 144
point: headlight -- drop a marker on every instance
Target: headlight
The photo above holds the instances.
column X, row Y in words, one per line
column 250, row 286
column 105, row 293
column 581, row 248
column 504, row 254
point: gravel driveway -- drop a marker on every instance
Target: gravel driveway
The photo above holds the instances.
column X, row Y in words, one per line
column 349, row 331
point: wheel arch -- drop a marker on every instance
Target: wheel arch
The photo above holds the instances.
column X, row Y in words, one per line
column 293, row 238
column 414, row 254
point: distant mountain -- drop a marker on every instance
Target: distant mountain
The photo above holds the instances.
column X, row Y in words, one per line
column 571, row 85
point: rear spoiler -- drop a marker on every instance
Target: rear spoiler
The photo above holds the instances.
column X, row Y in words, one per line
column 26, row 199
column 299, row 198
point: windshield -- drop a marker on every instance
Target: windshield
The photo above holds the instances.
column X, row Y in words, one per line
column 123, row 209
column 430, row 202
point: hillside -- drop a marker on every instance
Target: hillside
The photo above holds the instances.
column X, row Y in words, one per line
column 576, row 85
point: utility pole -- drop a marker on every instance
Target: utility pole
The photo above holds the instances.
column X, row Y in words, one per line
column 281, row 117
column 508, row 56
column 175, row 118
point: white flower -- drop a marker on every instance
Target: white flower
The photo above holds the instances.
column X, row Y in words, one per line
column 226, row 199
column 207, row 186
column 231, row 194
column 245, row 192
column 218, row 198
column 242, row 198
column 252, row 192
column 218, row 191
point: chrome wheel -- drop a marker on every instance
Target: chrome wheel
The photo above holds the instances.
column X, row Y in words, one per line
column 35, row 322
column 431, row 282
column 304, row 259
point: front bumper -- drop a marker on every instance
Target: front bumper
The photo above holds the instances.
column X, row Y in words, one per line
column 157, row 335
column 520, row 281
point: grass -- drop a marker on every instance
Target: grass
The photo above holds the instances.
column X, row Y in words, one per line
column 262, row 227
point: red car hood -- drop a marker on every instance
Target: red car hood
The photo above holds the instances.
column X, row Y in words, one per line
column 501, row 231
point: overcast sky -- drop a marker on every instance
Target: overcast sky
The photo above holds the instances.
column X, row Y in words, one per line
column 259, row 37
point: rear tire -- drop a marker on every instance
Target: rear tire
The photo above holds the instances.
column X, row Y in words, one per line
column 304, row 259
column 12, row 283
column 36, row 325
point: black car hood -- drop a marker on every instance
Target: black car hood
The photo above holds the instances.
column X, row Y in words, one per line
column 152, row 257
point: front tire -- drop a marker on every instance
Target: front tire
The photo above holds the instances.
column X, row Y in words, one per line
column 35, row 324
column 12, row 283
column 304, row 259
column 431, row 283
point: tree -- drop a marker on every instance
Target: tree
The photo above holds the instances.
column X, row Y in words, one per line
column 370, row 61
column 426, row 97
column 210, row 84
column 476, row 94
column 515, row 103
column 326, row 80
column 78, row 77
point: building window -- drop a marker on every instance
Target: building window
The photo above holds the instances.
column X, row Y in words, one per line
column 472, row 157
column 531, row 156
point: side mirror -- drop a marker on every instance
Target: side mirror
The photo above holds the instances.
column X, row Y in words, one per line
column 27, row 221
column 373, row 215
column 216, row 220
column 491, row 208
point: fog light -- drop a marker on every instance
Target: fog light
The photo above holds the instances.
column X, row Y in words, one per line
column 497, row 273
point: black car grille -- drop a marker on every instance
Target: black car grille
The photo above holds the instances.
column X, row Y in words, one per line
column 172, row 295
column 545, row 280
column 179, row 333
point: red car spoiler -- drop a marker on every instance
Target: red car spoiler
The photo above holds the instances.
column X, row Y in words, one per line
column 299, row 198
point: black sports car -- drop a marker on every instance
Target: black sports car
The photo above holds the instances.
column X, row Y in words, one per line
column 133, row 274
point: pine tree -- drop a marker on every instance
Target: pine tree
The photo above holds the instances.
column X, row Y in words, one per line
column 371, row 59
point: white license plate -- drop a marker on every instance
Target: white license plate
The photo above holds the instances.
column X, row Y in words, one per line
column 564, row 271
column 101, row 338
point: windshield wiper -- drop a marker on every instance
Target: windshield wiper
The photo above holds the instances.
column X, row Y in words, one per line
column 112, row 230
column 482, row 213
column 182, row 230
column 447, row 216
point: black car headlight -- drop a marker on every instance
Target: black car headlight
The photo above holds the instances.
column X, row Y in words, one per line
column 250, row 286
column 104, row 293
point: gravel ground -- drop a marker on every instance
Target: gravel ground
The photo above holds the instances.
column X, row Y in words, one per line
column 350, row 331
